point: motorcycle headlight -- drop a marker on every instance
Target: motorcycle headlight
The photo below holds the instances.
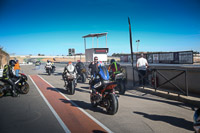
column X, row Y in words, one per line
column 97, row 84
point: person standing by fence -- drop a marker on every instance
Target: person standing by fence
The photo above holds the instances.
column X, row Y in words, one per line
column 142, row 65
column 17, row 68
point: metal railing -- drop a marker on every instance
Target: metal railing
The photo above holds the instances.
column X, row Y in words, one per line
column 154, row 73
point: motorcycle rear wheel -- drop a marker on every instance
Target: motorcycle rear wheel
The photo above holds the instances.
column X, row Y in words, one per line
column 112, row 104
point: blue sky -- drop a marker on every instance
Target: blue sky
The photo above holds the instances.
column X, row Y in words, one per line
column 50, row 27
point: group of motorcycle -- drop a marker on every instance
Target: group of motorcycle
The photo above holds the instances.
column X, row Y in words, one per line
column 102, row 88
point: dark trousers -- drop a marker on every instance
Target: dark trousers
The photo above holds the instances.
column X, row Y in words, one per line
column 142, row 77
column 12, row 83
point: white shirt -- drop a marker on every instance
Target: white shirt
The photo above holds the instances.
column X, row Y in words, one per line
column 141, row 63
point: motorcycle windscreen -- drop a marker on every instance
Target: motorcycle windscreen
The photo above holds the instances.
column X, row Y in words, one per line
column 104, row 73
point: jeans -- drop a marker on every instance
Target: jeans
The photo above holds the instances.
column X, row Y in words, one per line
column 142, row 77
column 17, row 72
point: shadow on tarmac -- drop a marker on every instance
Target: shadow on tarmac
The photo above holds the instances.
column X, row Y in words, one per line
column 179, row 104
column 84, row 105
column 178, row 122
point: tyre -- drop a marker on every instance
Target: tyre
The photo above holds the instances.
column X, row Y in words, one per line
column 72, row 88
column 83, row 78
column 112, row 104
column 25, row 88
column 1, row 91
column 49, row 72
column 121, row 88
column 93, row 102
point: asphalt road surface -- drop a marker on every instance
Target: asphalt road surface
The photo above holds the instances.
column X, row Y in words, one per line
column 48, row 108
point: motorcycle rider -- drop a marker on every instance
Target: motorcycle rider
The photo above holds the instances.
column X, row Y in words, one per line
column 9, row 77
column 79, row 66
column 49, row 63
column 94, row 72
column 114, row 68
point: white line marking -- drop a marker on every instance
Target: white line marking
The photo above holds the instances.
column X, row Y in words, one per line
column 51, row 108
column 91, row 117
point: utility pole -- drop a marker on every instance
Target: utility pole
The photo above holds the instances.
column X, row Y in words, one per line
column 131, row 49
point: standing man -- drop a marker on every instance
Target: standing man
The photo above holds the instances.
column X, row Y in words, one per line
column 17, row 68
column 142, row 65
column 94, row 67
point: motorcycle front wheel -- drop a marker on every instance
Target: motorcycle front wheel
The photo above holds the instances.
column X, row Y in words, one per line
column 121, row 88
column 1, row 92
column 25, row 88
column 72, row 88
column 112, row 104
column 93, row 102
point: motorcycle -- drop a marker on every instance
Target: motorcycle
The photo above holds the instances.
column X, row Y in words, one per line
column 21, row 86
column 103, row 92
column 70, row 79
column 50, row 69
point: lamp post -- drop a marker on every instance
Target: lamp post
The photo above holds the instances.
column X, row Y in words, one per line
column 137, row 41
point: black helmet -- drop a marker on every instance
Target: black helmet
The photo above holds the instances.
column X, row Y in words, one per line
column 48, row 61
column 12, row 62
column 112, row 60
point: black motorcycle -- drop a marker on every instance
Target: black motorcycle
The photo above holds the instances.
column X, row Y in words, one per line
column 103, row 92
column 21, row 86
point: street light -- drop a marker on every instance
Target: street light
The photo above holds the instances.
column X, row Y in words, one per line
column 137, row 41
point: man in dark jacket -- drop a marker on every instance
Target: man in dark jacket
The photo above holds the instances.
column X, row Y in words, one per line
column 94, row 67
column 8, row 76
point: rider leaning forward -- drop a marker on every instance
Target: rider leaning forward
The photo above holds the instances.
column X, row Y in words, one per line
column 114, row 68
column 9, row 77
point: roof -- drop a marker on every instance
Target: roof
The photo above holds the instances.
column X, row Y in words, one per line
column 95, row 35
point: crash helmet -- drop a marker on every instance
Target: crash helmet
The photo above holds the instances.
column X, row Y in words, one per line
column 12, row 63
column 112, row 60
column 48, row 61
column 69, row 62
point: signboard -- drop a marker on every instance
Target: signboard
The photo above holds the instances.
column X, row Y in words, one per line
column 71, row 51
